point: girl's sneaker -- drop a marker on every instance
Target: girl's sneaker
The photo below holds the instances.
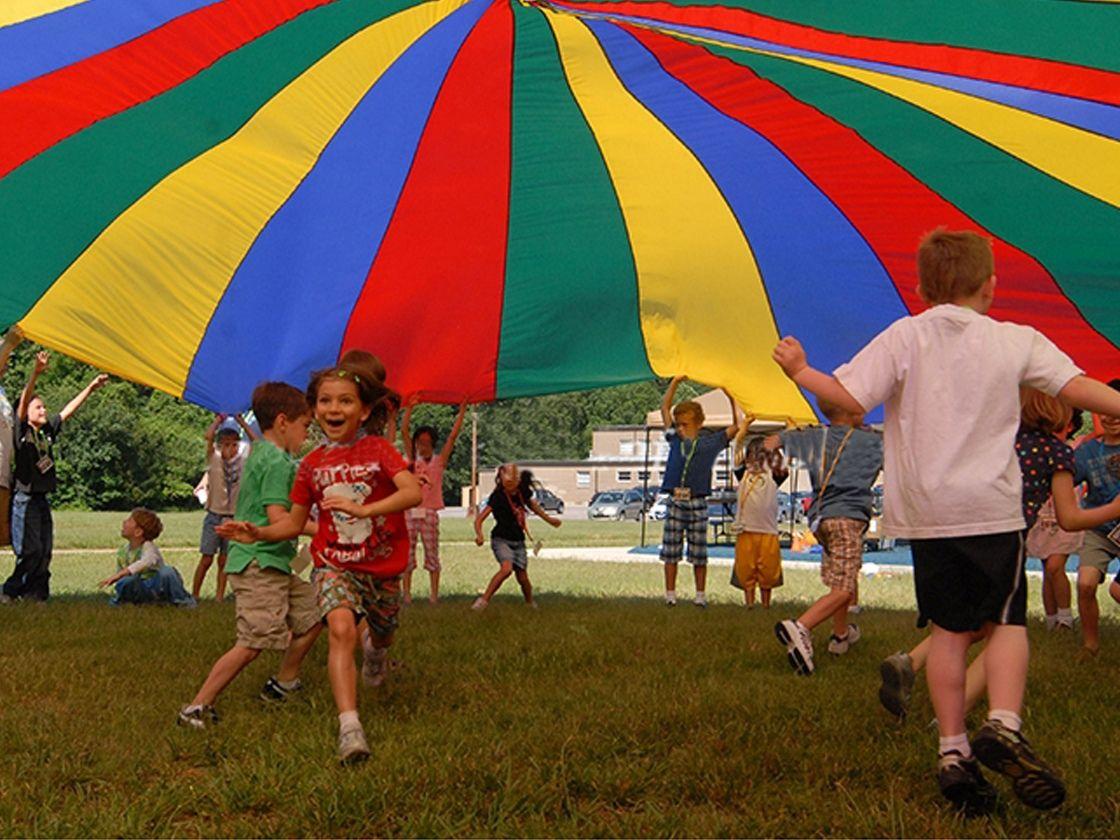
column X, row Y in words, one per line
column 273, row 692
column 838, row 646
column 197, row 717
column 352, row 746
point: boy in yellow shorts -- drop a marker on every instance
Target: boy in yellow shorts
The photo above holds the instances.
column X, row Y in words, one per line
column 758, row 558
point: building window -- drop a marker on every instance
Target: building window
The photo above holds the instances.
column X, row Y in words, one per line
column 626, row 447
column 623, row 475
column 583, row 478
column 721, row 475
column 643, row 475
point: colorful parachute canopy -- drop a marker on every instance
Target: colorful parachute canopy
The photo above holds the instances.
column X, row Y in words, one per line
column 504, row 199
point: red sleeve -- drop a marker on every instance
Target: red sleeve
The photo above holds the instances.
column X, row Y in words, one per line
column 302, row 488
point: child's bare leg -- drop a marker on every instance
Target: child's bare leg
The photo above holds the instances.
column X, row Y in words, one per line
column 840, row 615
column 1049, row 603
column 766, row 597
column 340, row 658
column 670, row 577
column 229, row 665
column 920, row 654
column 945, row 675
column 822, row 608
column 975, row 682
column 433, row 592
column 748, row 594
column 297, row 650
column 1088, row 579
column 526, row 586
column 700, row 576
column 406, row 586
column 204, row 563
column 496, row 582
column 220, row 594
column 1008, row 654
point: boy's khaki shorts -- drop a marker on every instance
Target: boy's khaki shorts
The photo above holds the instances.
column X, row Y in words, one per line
column 1097, row 552
column 271, row 607
column 842, row 541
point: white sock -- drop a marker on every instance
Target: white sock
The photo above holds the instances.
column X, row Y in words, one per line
column 1065, row 616
column 671, row 594
column 287, row 686
column 1009, row 719
column 348, row 720
column 958, row 743
column 193, row 707
column 1051, row 621
column 701, row 595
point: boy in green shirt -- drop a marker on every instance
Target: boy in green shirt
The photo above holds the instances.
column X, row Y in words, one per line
column 276, row 609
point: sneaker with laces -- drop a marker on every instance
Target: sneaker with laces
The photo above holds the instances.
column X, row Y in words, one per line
column 838, row 646
column 701, row 600
column 375, row 664
column 963, row 784
column 897, row 673
column 670, row 600
column 1006, row 751
column 273, row 692
column 799, row 645
column 479, row 603
column 197, row 717
column 352, row 746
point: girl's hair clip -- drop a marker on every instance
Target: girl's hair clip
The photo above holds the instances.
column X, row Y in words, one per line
column 345, row 373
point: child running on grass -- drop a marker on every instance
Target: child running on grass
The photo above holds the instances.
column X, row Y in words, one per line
column 1097, row 462
column 758, row 557
column 35, row 479
column 844, row 462
column 142, row 576
column 223, row 478
column 510, row 502
column 276, row 609
column 688, row 481
column 1046, row 462
column 423, row 520
column 361, row 486
column 950, row 380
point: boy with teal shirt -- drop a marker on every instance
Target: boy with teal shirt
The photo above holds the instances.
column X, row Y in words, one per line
column 276, row 609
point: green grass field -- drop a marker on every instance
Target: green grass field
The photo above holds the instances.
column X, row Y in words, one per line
column 603, row 714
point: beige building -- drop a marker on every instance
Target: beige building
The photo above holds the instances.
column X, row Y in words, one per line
column 618, row 458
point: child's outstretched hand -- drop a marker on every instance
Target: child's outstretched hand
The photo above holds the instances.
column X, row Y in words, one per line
column 772, row 442
column 109, row 581
column 42, row 359
column 99, row 381
column 553, row 521
column 242, row 532
column 478, row 539
column 790, row 356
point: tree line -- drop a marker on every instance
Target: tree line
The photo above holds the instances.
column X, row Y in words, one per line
column 131, row 445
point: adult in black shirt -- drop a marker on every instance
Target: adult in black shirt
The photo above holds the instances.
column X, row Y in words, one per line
column 35, row 477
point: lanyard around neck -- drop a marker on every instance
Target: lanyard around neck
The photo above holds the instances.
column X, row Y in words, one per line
column 687, row 459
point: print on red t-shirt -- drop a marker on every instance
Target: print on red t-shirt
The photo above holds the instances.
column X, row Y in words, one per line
column 361, row 471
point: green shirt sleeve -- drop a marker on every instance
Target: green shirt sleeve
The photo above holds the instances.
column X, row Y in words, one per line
column 276, row 483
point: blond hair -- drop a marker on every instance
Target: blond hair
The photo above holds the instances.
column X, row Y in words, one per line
column 689, row 407
column 953, row 264
column 1042, row 411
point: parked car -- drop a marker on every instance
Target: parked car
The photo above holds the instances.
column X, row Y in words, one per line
column 722, row 505
column 548, row 500
column 607, row 506
column 660, row 507
column 637, row 501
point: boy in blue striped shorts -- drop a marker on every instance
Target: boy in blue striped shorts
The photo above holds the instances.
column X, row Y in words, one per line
column 688, row 481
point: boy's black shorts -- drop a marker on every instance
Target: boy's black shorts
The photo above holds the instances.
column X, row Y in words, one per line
column 963, row 583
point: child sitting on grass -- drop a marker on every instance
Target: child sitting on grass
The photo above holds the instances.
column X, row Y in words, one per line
column 950, row 379
column 361, row 486
column 688, row 481
column 276, row 609
column 758, row 557
column 844, row 462
column 510, row 502
column 142, row 576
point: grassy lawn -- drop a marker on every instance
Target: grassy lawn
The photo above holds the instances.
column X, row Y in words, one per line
column 602, row 714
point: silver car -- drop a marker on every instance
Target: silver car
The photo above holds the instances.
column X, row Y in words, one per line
column 608, row 505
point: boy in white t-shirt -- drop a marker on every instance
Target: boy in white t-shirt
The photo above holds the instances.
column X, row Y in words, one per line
column 949, row 379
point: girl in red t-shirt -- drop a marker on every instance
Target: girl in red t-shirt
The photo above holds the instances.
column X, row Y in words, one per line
column 361, row 486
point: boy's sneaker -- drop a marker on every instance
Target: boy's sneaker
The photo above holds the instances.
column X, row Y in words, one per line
column 897, row 673
column 273, row 692
column 479, row 603
column 670, row 600
column 963, row 784
column 352, row 746
column 701, row 600
column 375, row 664
column 197, row 717
column 799, row 645
column 1006, row 751
column 839, row 646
